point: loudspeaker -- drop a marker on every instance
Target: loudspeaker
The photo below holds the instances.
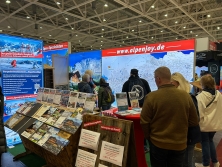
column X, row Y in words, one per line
column 214, row 69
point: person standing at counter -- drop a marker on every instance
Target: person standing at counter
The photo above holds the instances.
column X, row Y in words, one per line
column 136, row 84
column 92, row 83
column 84, row 85
column 165, row 117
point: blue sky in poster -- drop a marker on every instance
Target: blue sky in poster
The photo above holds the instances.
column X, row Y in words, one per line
column 47, row 55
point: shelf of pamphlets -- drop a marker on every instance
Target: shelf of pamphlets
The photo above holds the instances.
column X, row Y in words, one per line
column 122, row 104
column 53, row 118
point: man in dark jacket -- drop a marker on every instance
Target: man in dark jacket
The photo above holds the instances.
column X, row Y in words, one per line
column 135, row 83
column 2, row 130
column 84, row 85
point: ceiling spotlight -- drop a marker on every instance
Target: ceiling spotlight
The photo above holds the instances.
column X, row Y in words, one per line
column 72, row 28
column 50, row 35
column 140, row 21
column 191, row 31
column 152, row 6
column 101, row 45
column 184, row 27
column 76, row 35
column 152, row 37
column 127, row 37
column 144, row 42
column 104, row 19
column 28, row 17
column 196, row 35
column 91, row 46
column 176, row 38
column 123, row 42
column 8, row 1
column 56, row 40
column 101, row 41
column 106, row 5
column 208, row 15
column 176, row 22
column 102, row 29
column 9, row 27
column 67, row 18
column 0, row 30
column 58, row 3
column 102, row 36
column 79, row 41
column 161, row 31
column 218, row 28
column 133, row 30
column 21, row 34
column 40, row 27
column 165, row 15
column 120, row 45
column 40, row 37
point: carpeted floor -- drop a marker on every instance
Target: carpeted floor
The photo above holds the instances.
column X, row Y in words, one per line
column 31, row 160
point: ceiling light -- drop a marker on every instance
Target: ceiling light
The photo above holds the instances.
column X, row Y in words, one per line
column 176, row 38
column 79, row 41
column 133, row 30
column 28, row 17
column 0, row 30
column 91, row 46
column 67, row 18
column 208, row 15
column 165, row 15
column 106, row 5
column 55, row 40
column 152, row 6
column 58, row 3
column 161, row 31
column 101, row 41
column 76, row 35
column 123, row 41
column 127, row 37
column 104, row 19
column 152, row 37
column 102, row 29
column 102, row 36
column 40, row 27
column 218, row 28
column 72, row 28
column 191, row 31
column 101, row 45
column 40, row 37
column 176, row 22
column 144, row 42
column 50, row 35
column 21, row 34
column 196, row 35
column 120, row 45
column 100, row 48
column 140, row 21
column 184, row 27
column 8, row 1
column 9, row 27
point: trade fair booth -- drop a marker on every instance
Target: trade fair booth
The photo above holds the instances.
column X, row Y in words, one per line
column 61, row 123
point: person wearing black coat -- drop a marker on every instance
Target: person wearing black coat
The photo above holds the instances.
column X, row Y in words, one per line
column 194, row 134
column 3, row 147
column 84, row 85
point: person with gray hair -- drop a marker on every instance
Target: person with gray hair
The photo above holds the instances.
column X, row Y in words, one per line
column 165, row 117
column 84, row 85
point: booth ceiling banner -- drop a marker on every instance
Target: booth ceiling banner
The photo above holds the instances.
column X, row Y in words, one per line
column 20, row 74
column 117, row 63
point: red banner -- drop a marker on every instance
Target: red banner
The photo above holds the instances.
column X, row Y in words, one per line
column 20, row 55
column 152, row 48
column 20, row 97
column 56, row 46
column 111, row 128
column 212, row 46
column 92, row 123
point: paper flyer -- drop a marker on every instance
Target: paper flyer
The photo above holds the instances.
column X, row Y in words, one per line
column 101, row 165
column 32, row 129
column 112, row 153
column 89, row 139
column 134, row 99
column 90, row 102
column 47, row 114
column 51, row 95
column 62, row 118
column 40, row 94
column 122, row 103
column 45, row 94
column 73, row 99
column 57, row 97
column 81, row 100
column 41, row 111
column 85, row 159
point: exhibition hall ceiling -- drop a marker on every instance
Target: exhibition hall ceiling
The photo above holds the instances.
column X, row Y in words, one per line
column 100, row 24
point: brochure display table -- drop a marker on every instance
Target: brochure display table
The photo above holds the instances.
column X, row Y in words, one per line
column 139, row 138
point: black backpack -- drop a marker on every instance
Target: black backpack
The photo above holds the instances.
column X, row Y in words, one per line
column 136, row 85
column 108, row 95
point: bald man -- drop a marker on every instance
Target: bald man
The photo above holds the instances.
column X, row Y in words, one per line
column 166, row 115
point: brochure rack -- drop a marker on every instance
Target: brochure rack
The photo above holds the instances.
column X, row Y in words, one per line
column 115, row 131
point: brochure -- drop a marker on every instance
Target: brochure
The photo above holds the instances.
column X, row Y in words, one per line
column 55, row 144
column 81, row 100
column 44, row 139
column 34, row 109
column 134, row 99
column 40, row 94
column 40, row 133
column 85, row 159
column 54, row 117
column 57, row 96
column 45, row 94
column 64, row 98
column 122, row 103
column 89, row 139
column 41, row 111
column 51, row 95
column 112, row 153
column 71, row 125
column 32, row 127
column 11, row 122
column 22, row 108
column 90, row 102
column 72, row 99
column 64, row 134
column 28, row 108
column 62, row 118
column 47, row 114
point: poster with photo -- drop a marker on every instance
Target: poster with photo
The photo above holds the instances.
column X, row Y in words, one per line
column 81, row 100
column 51, row 95
column 64, row 98
column 71, row 125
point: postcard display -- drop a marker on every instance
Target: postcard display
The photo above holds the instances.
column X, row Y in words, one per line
column 106, row 142
column 49, row 127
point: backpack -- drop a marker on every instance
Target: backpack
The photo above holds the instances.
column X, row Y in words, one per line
column 108, row 95
column 137, row 85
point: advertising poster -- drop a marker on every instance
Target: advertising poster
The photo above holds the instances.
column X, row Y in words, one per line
column 49, row 51
column 117, row 63
column 20, row 75
column 79, row 63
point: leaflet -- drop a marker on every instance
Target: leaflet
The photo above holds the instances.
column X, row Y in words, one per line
column 85, row 159
column 51, row 95
column 72, row 99
column 89, row 139
column 112, row 153
column 57, row 96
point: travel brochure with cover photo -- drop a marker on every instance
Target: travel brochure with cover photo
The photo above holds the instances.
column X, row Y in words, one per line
column 62, row 118
column 134, row 96
column 55, row 116
column 90, row 102
column 55, row 144
column 122, row 103
column 40, row 132
column 45, row 94
column 39, row 114
column 10, row 123
column 73, row 99
column 64, row 98
column 31, row 127
column 40, row 94
column 81, row 100
column 51, row 95
column 57, row 97
column 28, row 108
column 71, row 125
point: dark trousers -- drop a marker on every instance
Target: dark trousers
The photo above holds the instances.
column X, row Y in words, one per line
column 165, row 158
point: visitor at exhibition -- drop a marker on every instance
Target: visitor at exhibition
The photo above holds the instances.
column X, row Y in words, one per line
column 92, row 83
column 193, row 135
column 84, row 86
column 136, row 84
column 2, row 130
column 104, row 101
column 165, row 117
column 209, row 104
